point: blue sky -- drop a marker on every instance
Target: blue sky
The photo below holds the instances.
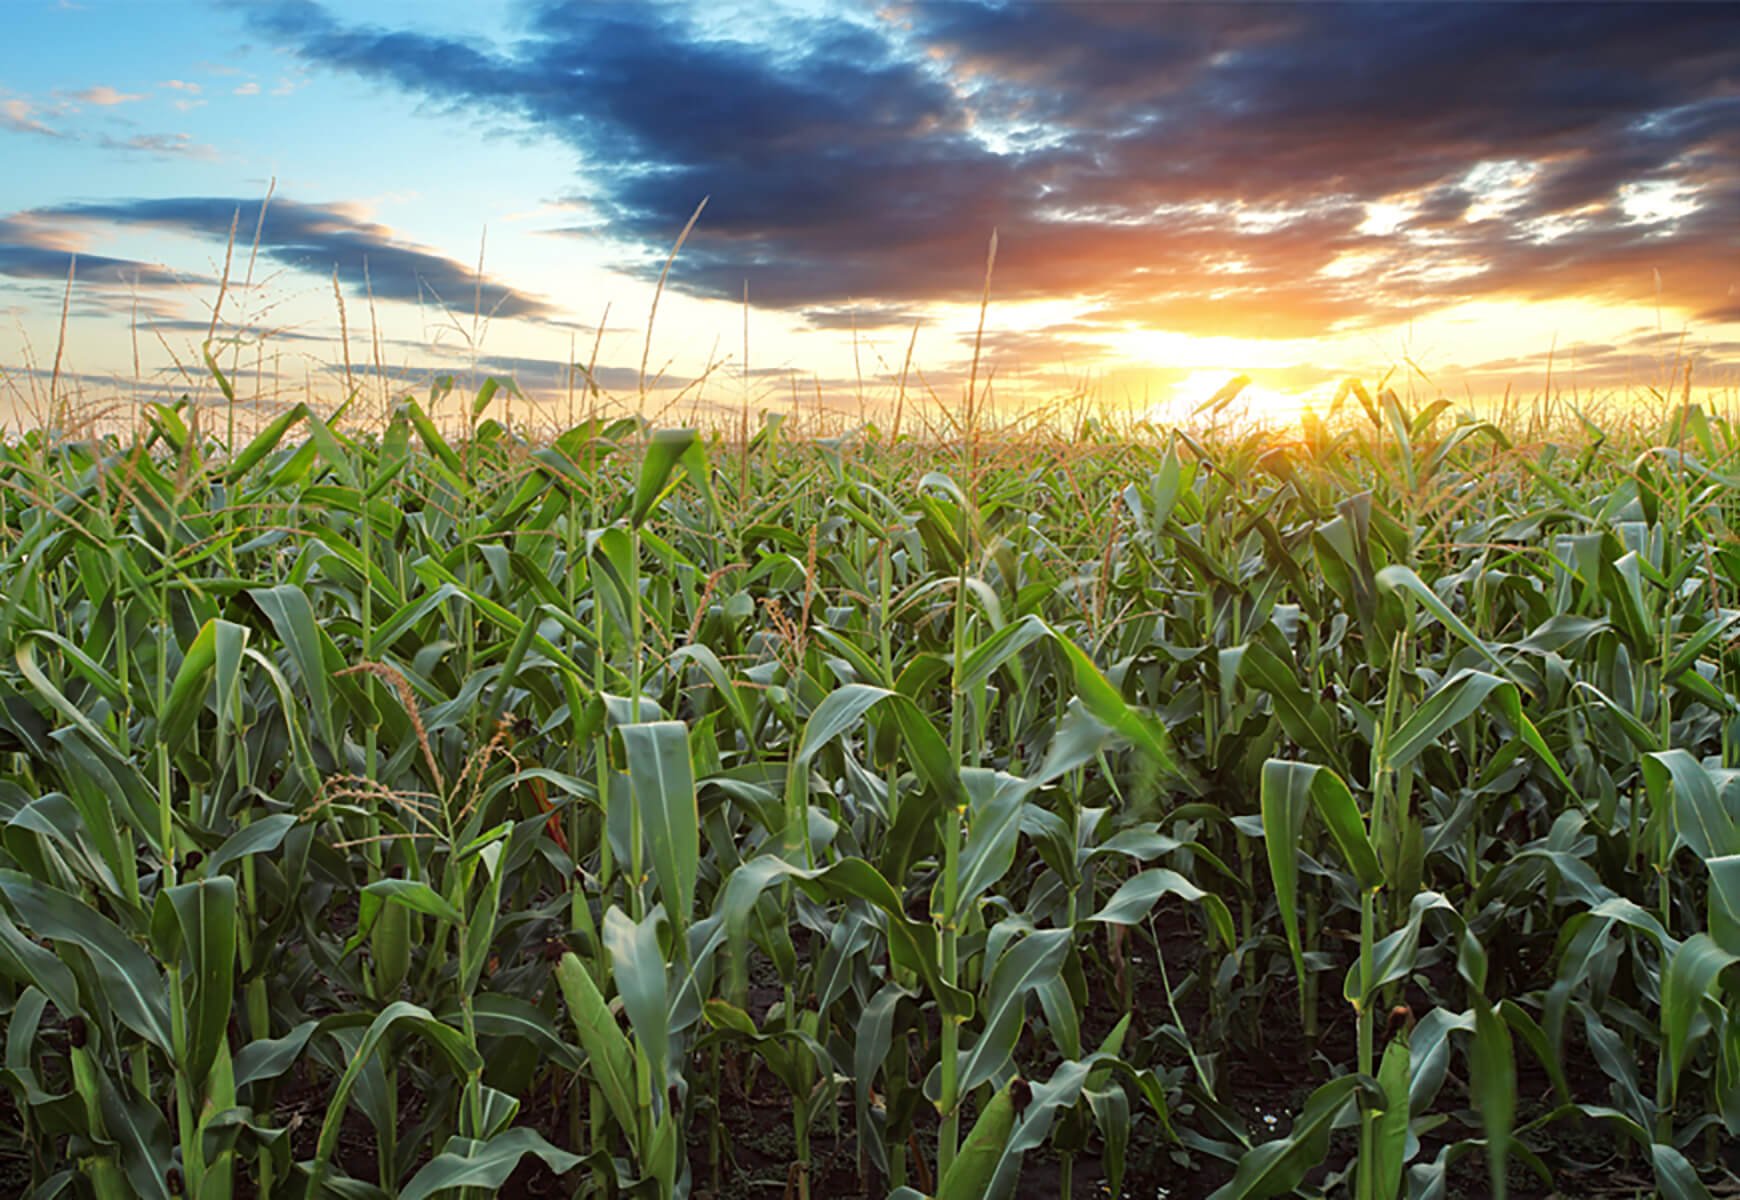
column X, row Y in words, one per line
column 1296, row 192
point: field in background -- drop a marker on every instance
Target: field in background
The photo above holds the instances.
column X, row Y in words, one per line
column 401, row 807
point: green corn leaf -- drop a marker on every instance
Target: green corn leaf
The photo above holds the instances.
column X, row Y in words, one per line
column 449, row 1041
column 257, row 837
column 1675, row 1177
column 83, row 665
column 912, row 945
column 1276, row 1167
column 465, row 1163
column 875, row 1035
column 1641, row 736
column 969, row 1176
column 1100, row 698
column 1033, row 960
column 1688, row 653
column 24, row 961
column 1492, row 1082
column 432, row 439
column 1690, row 977
column 994, row 827
column 1137, row 895
column 217, row 640
column 1679, row 784
column 1111, row 1110
column 1462, row 695
column 22, row 1029
column 131, row 983
column 501, row 1015
column 411, row 894
column 1290, row 791
column 637, row 963
column 142, row 1136
column 1527, row 1028
column 486, row 393
column 266, row 1059
column 1395, row 954
column 724, row 687
column 1724, row 918
column 204, row 914
column 662, row 782
column 610, row 1058
column 292, row 616
column 264, row 442
column 1398, row 578
column 1304, row 718
column 25, row 656
column 664, row 450
column 1391, row 1140
column 999, row 648
column 492, row 848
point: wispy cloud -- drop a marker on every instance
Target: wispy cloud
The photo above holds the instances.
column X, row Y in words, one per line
column 247, row 89
column 104, row 96
column 163, row 145
column 21, row 116
column 321, row 238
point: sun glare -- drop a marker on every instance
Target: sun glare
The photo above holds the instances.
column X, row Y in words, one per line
column 1165, row 348
column 1255, row 401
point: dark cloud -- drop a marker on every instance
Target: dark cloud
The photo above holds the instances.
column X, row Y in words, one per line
column 1124, row 152
column 33, row 249
column 313, row 237
column 36, row 262
column 544, row 380
column 552, row 375
column 860, row 316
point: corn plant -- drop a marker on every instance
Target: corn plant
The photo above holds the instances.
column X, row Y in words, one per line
column 416, row 810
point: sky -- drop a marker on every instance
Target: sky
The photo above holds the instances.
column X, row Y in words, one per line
column 1463, row 198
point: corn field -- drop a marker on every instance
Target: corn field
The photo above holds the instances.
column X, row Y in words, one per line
column 641, row 813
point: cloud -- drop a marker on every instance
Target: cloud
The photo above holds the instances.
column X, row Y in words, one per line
column 320, row 238
column 19, row 116
column 36, row 262
column 860, row 316
column 104, row 96
column 552, row 374
column 1630, row 364
column 35, row 249
column 1204, row 168
column 182, row 85
column 247, row 89
column 24, row 116
column 162, row 145
column 274, row 335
